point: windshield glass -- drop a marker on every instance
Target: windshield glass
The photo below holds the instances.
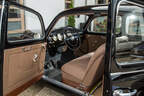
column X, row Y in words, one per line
column 76, row 21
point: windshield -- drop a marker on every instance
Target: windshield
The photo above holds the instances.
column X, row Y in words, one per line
column 76, row 21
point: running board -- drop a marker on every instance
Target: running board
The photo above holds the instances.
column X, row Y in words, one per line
column 62, row 85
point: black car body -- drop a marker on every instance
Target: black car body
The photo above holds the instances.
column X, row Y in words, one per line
column 123, row 73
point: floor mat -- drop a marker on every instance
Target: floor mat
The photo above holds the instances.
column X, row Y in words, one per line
column 54, row 74
column 48, row 92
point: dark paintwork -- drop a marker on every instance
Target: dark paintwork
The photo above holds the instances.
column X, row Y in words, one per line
column 111, row 80
column 2, row 44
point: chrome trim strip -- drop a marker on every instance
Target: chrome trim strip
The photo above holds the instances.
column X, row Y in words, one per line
column 62, row 85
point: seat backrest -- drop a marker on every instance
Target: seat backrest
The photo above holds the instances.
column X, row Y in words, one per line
column 95, row 67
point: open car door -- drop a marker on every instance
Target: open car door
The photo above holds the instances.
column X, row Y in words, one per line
column 125, row 49
column 24, row 48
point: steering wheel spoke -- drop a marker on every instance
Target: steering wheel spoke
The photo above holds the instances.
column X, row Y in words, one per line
column 73, row 41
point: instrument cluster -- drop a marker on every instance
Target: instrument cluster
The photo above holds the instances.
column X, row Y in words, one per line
column 69, row 36
column 59, row 37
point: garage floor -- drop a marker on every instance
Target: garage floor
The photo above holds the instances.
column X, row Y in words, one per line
column 43, row 88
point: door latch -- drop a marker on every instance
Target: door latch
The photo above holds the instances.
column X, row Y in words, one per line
column 125, row 92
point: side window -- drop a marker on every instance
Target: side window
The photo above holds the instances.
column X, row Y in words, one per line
column 99, row 24
column 130, row 43
column 23, row 25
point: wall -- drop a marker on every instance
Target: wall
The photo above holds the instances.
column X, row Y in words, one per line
column 78, row 3
column 91, row 2
column 47, row 8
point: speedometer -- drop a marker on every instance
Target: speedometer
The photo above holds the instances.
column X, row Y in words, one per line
column 54, row 38
column 60, row 37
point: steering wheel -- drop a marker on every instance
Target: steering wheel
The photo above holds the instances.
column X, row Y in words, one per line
column 72, row 38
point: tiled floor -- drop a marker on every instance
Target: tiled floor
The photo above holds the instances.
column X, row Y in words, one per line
column 43, row 88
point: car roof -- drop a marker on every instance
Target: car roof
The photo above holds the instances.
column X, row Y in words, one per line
column 96, row 9
column 90, row 8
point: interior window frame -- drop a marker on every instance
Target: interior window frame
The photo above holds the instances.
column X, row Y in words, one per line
column 33, row 12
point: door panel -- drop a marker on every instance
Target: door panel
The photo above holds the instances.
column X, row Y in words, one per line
column 22, row 64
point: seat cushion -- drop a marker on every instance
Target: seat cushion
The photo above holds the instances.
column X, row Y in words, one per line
column 84, row 72
column 75, row 69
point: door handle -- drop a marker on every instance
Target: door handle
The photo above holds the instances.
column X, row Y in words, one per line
column 35, row 58
column 124, row 92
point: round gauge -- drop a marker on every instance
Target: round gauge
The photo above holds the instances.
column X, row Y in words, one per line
column 64, row 36
column 69, row 34
column 72, row 38
column 60, row 37
column 54, row 38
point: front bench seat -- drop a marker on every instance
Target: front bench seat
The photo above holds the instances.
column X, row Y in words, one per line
column 85, row 71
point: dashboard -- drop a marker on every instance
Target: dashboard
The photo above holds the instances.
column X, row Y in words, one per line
column 61, row 39
column 59, row 36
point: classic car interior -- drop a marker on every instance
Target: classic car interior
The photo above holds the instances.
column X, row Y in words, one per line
column 70, row 53
column 76, row 52
column 82, row 53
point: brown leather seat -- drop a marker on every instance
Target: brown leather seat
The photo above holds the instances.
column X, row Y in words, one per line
column 85, row 71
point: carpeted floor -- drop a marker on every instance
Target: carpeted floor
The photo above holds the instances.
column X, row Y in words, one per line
column 43, row 88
